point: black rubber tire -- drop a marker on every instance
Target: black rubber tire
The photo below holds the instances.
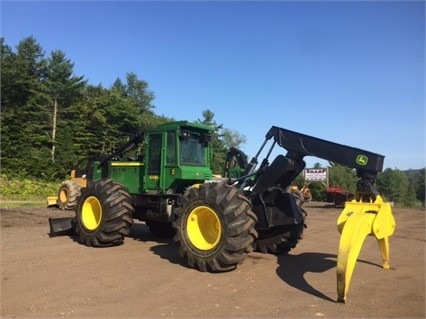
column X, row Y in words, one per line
column 161, row 229
column 67, row 195
column 227, row 214
column 103, row 214
column 280, row 239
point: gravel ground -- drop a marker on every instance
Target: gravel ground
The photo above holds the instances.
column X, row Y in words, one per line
column 56, row 277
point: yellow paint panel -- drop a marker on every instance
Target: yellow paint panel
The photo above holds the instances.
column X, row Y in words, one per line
column 52, row 200
column 127, row 164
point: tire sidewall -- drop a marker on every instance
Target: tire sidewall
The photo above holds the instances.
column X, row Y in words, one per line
column 72, row 190
column 116, row 208
column 86, row 193
column 235, row 218
column 219, row 211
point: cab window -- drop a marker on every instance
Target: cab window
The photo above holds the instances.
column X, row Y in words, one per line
column 154, row 154
column 191, row 151
column 171, row 148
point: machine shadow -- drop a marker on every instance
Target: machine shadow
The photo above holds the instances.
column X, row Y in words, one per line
column 166, row 247
column 292, row 270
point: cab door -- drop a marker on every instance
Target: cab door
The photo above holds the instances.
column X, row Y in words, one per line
column 154, row 161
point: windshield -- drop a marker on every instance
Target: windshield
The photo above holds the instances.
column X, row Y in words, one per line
column 191, row 152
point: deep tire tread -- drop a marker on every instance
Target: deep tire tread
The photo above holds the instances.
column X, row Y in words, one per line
column 117, row 211
column 237, row 222
column 282, row 239
column 73, row 192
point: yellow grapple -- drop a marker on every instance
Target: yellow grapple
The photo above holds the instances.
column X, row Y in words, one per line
column 357, row 221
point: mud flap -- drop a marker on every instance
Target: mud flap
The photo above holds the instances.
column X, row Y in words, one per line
column 61, row 226
column 357, row 221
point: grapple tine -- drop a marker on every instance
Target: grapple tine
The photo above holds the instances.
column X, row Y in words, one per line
column 357, row 227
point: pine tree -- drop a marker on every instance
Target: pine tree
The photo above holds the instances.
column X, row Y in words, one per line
column 61, row 88
column 24, row 115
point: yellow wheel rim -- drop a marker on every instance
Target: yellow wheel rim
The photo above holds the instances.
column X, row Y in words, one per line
column 91, row 213
column 63, row 195
column 203, row 227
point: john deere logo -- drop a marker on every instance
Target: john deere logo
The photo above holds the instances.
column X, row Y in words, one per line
column 362, row 160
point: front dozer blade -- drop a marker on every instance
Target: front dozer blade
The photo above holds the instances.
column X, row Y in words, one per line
column 61, row 226
column 52, row 201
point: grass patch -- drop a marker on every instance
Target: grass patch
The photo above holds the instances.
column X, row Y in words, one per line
column 25, row 192
column 22, row 204
column 27, row 189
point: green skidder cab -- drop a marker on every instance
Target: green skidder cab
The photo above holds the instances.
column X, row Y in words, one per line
column 176, row 155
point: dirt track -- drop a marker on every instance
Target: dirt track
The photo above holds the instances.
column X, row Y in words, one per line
column 145, row 278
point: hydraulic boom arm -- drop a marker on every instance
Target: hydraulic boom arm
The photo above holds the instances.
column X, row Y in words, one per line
column 367, row 164
column 366, row 215
column 126, row 147
column 363, row 161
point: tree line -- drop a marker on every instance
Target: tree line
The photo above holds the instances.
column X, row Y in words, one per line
column 51, row 118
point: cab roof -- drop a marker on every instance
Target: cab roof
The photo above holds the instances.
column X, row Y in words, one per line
column 172, row 126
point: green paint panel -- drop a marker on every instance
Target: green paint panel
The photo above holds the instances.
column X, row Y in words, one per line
column 129, row 174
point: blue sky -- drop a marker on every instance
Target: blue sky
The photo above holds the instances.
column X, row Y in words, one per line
column 352, row 72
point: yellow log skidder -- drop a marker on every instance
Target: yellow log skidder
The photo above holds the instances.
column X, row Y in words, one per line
column 217, row 222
